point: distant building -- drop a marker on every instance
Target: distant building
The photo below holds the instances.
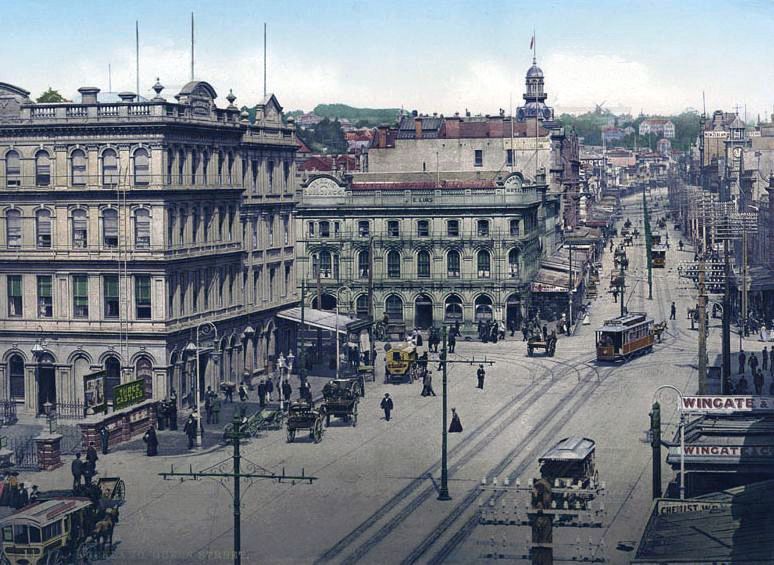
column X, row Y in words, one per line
column 330, row 163
column 621, row 158
column 629, row 130
column 658, row 126
column 308, row 120
column 664, row 146
column 610, row 134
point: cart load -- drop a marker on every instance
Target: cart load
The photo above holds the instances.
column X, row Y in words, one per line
column 538, row 342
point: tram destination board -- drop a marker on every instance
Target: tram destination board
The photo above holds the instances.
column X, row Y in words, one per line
column 128, row 393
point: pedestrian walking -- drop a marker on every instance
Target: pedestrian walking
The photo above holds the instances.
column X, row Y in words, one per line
column 525, row 331
column 452, row 342
column 387, row 405
column 216, row 410
column 91, row 458
column 427, row 384
column 172, row 411
column 104, row 436
column 419, row 337
column 615, row 295
column 753, row 363
column 76, row 468
column 673, row 312
column 512, row 326
column 758, row 382
column 151, row 442
column 262, row 394
column 269, row 388
column 208, row 404
column 229, row 392
column 287, row 390
column 456, row 327
column 742, row 359
column 242, row 393
column 480, row 374
column 455, row 427
column 765, row 359
column 190, row 429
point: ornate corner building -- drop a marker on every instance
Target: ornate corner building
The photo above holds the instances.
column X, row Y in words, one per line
column 127, row 226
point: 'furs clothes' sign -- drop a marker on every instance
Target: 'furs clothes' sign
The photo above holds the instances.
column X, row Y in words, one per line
column 727, row 404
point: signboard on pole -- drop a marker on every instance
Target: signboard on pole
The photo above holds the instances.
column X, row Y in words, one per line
column 94, row 392
column 727, row 404
column 128, row 393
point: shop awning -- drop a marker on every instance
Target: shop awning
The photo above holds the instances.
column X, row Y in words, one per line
column 323, row 320
column 554, row 272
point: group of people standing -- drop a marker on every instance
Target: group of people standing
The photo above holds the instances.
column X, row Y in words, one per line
column 17, row 494
column 83, row 470
column 758, row 370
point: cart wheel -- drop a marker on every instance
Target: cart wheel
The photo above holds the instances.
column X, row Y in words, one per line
column 327, row 420
column 88, row 551
column 54, row 558
column 119, row 492
column 529, row 351
column 291, row 435
column 354, row 416
column 317, row 433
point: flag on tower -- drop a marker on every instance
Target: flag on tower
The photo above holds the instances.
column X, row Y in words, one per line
column 532, row 41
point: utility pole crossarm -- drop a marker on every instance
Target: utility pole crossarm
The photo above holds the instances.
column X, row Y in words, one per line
column 278, row 478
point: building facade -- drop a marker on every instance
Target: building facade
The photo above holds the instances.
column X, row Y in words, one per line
column 458, row 249
column 128, row 229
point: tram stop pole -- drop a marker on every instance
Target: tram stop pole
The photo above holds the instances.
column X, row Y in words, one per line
column 655, row 444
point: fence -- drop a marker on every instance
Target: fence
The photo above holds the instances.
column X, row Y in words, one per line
column 70, row 410
column 25, row 453
column 7, row 412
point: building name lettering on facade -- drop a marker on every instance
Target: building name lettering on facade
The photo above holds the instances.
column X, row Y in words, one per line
column 725, row 404
column 680, row 506
column 716, row 134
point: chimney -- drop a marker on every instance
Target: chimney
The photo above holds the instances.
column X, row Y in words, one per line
column 418, row 127
column 126, row 96
column 452, row 126
column 88, row 94
column 381, row 137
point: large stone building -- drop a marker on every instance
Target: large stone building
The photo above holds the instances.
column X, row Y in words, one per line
column 125, row 226
column 461, row 247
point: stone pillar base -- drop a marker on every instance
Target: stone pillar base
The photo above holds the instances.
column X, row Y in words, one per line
column 49, row 455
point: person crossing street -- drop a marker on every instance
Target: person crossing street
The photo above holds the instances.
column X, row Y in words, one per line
column 387, row 405
column 673, row 312
column 480, row 374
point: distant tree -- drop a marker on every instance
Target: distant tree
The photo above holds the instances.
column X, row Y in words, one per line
column 50, row 95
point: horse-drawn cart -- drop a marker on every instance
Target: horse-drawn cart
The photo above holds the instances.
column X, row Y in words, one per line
column 340, row 399
column 303, row 416
column 537, row 342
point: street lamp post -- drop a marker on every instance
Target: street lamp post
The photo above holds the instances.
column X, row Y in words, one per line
column 443, row 493
column 338, row 291
column 205, row 329
column 657, row 421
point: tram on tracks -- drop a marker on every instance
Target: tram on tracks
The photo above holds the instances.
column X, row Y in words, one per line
column 658, row 256
column 655, row 238
column 624, row 337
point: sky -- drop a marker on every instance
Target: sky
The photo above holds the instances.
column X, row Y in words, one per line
column 433, row 56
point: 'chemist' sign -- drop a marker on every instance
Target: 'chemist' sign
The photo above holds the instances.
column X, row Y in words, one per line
column 727, row 404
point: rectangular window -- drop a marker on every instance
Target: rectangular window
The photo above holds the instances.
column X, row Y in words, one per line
column 325, row 229
column 311, row 229
column 423, row 265
column 272, row 273
column 12, row 170
column 478, row 157
column 287, row 280
column 453, row 265
column 142, row 296
column 336, row 227
column 393, row 228
column 194, row 295
column 44, row 229
column 255, row 234
column 112, row 295
column 482, row 228
column 393, row 265
column 509, row 157
column 271, row 175
column 363, row 264
column 80, row 229
column 423, row 228
column 363, row 229
column 286, row 230
column 110, row 229
column 45, row 301
column 14, row 296
column 453, row 228
column 514, row 228
column 270, row 225
column 81, row 296
column 206, row 288
column 14, row 229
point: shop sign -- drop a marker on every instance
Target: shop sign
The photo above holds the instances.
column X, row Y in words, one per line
column 94, row 392
column 729, row 451
column 680, row 506
column 726, row 404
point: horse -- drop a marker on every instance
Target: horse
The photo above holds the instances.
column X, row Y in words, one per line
column 103, row 529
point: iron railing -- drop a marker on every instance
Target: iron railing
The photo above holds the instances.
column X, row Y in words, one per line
column 7, row 412
column 25, row 453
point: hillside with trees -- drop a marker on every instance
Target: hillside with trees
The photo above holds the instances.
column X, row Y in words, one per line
column 360, row 117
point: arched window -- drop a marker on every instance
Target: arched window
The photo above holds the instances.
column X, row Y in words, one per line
column 453, row 309
column 194, row 166
column 513, row 263
column 484, row 264
column 109, row 169
column 361, row 307
column 80, row 229
column 180, row 166
column 363, row 263
column 194, row 225
column 329, row 265
column 110, row 228
column 170, row 165
column 393, row 306
column 230, row 168
column 78, row 173
column 205, row 167
column 16, row 377
column 141, row 167
column 13, row 229
column 221, row 159
column 42, row 169
column 12, row 169
column 143, row 369
column 483, row 308
column 142, row 231
column 393, row 265
column 423, row 264
column 453, row 264
column 43, row 229
column 113, row 377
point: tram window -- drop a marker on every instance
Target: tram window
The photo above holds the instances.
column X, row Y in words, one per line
column 8, row 534
column 34, row 534
column 52, row 530
column 20, row 535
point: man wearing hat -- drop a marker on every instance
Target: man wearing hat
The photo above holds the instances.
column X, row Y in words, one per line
column 480, row 374
column 387, row 405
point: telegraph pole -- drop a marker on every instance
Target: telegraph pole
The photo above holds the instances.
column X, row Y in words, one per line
column 302, row 333
column 726, row 339
column 235, row 434
column 648, row 244
column 702, row 329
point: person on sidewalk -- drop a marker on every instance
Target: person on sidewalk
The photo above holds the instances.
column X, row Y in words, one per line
column 208, row 404
column 190, row 429
column 76, row 468
column 91, row 458
column 758, row 382
column 269, row 388
column 455, row 427
column 287, row 390
column 104, row 436
column 765, row 359
column 387, row 405
column 753, row 363
column 151, row 442
column 216, row 406
column 452, row 342
column 242, row 393
column 427, row 384
column 480, row 374
column 673, row 312
column 262, row 394
column 742, row 359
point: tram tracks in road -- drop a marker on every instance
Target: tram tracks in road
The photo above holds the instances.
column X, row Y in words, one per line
column 458, row 456
column 548, row 426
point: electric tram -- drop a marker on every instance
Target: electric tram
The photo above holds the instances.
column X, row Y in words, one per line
column 655, row 238
column 658, row 256
column 623, row 337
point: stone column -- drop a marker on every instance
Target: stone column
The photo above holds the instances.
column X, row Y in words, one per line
column 48, row 447
column 31, row 387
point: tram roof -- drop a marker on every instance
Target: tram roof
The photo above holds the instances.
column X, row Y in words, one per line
column 570, row 448
column 659, row 248
column 47, row 511
column 626, row 321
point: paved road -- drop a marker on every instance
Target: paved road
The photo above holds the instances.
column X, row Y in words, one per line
column 375, row 500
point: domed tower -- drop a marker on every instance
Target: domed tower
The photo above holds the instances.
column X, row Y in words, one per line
column 535, row 97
